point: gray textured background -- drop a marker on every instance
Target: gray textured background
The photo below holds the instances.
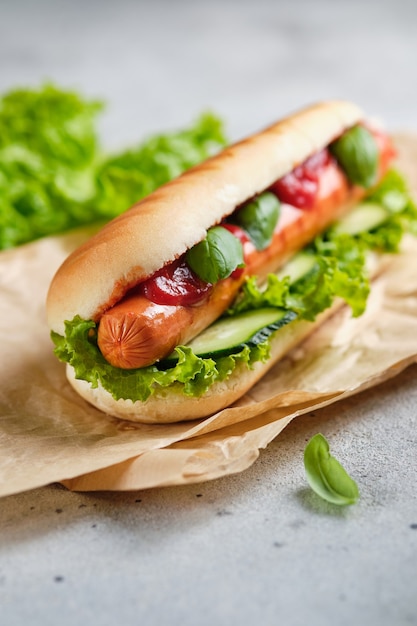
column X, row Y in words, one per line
column 258, row 546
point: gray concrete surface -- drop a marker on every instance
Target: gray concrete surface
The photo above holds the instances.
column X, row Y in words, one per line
column 258, row 546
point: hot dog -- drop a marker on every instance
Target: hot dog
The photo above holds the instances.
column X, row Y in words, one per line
column 137, row 332
column 136, row 281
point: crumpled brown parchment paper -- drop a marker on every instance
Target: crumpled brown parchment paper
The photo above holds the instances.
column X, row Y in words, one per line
column 49, row 434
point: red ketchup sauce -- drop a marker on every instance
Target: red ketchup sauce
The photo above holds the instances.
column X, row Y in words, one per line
column 175, row 284
column 299, row 187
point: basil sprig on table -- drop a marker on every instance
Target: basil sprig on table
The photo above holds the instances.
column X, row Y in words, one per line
column 258, row 218
column 357, row 154
column 217, row 256
column 326, row 475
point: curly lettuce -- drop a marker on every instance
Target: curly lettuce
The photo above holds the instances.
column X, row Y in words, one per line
column 55, row 176
column 338, row 271
column 340, row 260
column 124, row 178
column 191, row 375
column 48, row 149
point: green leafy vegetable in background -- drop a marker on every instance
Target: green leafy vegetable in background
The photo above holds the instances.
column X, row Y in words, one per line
column 54, row 175
column 48, row 148
column 124, row 178
column 326, row 475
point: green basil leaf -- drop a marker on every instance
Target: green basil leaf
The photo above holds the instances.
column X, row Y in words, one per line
column 259, row 218
column 217, row 256
column 326, row 475
column 357, row 153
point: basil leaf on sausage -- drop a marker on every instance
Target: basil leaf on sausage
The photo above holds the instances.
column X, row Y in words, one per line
column 357, row 154
column 217, row 256
column 258, row 218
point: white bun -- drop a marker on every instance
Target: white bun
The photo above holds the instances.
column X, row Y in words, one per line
column 177, row 216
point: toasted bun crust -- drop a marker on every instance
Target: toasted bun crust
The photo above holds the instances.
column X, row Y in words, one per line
column 177, row 216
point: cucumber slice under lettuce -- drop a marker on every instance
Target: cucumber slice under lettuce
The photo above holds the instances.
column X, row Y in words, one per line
column 298, row 267
column 230, row 334
column 364, row 217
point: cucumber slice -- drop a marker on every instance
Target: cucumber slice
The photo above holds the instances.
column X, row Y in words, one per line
column 298, row 267
column 230, row 334
column 364, row 217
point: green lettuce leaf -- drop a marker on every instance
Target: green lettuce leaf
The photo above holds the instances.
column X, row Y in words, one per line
column 191, row 375
column 339, row 271
column 54, row 175
column 48, row 146
column 124, row 178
